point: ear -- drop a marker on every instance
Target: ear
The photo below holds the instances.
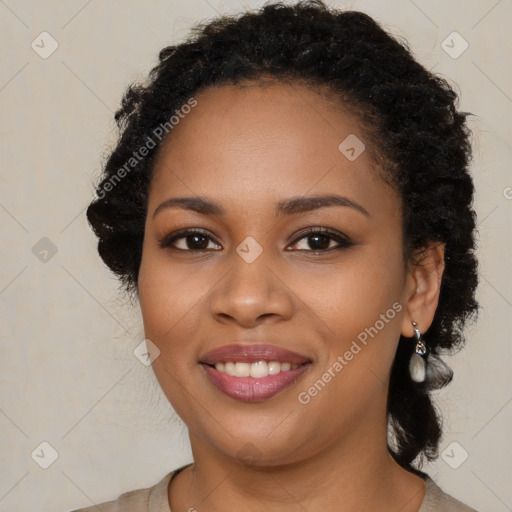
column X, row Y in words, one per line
column 423, row 285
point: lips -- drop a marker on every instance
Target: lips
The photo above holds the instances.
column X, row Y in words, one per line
column 290, row 367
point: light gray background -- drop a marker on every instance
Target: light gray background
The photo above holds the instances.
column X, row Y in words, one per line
column 68, row 374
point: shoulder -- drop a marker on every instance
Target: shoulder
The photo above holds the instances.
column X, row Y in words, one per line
column 132, row 501
column 436, row 500
column 148, row 499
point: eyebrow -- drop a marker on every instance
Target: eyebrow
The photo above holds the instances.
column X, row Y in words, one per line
column 290, row 206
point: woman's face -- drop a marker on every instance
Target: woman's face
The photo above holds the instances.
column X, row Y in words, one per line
column 254, row 277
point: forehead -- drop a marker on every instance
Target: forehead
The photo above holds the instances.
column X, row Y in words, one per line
column 256, row 139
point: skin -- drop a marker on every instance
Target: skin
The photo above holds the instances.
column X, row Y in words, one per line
column 247, row 148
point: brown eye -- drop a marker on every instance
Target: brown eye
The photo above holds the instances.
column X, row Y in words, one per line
column 189, row 239
column 321, row 239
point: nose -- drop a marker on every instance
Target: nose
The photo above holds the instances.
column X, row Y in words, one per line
column 251, row 293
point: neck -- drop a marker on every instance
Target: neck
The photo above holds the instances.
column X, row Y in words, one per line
column 357, row 473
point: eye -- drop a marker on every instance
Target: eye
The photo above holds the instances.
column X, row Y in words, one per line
column 197, row 240
column 319, row 240
column 190, row 240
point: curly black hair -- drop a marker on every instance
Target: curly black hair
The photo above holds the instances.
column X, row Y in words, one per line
column 422, row 140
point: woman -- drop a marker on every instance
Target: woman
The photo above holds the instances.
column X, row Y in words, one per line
column 290, row 202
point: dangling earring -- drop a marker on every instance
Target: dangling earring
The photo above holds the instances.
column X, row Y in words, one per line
column 418, row 362
column 426, row 366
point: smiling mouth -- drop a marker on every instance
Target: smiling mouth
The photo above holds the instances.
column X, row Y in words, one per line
column 257, row 370
column 254, row 382
column 251, row 372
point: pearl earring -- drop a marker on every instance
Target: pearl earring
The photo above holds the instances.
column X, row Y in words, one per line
column 418, row 363
column 426, row 366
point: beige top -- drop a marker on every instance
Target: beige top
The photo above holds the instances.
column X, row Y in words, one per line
column 154, row 499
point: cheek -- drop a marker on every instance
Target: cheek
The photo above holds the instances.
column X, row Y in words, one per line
column 165, row 296
column 170, row 304
column 170, row 312
column 359, row 306
column 351, row 295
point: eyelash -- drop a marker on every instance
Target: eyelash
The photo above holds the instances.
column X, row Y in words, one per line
column 343, row 240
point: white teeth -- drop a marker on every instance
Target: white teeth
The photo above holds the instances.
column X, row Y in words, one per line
column 274, row 367
column 242, row 369
column 229, row 368
column 257, row 370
